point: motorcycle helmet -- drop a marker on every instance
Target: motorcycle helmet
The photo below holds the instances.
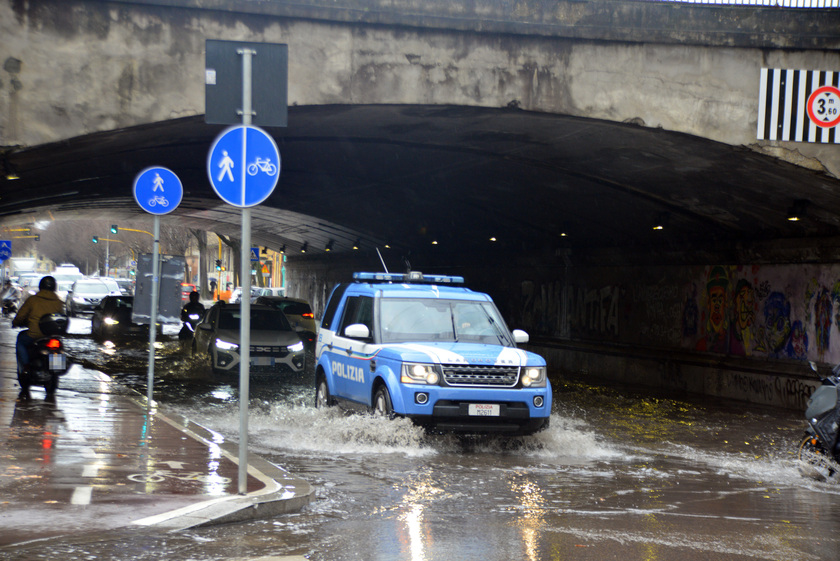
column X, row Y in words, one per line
column 47, row 283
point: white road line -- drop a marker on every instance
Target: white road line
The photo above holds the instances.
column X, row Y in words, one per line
column 90, row 470
column 81, row 495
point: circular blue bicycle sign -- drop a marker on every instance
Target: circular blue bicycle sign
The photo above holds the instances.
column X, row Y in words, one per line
column 244, row 165
column 158, row 190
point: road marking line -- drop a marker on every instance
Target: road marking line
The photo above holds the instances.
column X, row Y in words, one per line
column 81, row 495
column 90, row 470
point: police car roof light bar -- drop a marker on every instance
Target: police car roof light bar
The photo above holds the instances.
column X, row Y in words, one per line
column 411, row 277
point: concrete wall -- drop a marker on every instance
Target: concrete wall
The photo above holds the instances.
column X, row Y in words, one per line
column 71, row 67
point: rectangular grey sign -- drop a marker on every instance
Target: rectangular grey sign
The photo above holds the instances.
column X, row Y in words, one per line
column 223, row 83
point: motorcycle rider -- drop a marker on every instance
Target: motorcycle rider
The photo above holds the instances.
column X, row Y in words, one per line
column 192, row 308
column 44, row 302
column 9, row 292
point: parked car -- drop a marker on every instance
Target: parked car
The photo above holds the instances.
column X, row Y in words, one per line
column 300, row 316
column 236, row 295
column 275, row 349
column 112, row 319
column 86, row 294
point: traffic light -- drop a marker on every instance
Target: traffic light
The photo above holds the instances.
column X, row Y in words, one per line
column 218, row 264
column 114, row 229
column 37, row 237
column 95, row 239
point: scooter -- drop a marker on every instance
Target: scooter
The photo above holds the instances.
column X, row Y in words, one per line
column 819, row 451
column 47, row 361
column 188, row 329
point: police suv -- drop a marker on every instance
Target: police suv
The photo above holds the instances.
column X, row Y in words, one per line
column 418, row 346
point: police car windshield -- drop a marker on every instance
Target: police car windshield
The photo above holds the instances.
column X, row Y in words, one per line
column 426, row 319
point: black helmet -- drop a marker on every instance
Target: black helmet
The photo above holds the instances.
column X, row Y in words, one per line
column 47, row 283
column 194, row 296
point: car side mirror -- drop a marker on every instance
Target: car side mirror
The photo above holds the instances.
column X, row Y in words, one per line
column 357, row 331
column 520, row 336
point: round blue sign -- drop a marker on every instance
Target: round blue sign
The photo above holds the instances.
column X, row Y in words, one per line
column 243, row 165
column 158, row 190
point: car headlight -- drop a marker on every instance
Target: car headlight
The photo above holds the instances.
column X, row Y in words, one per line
column 110, row 321
column 534, row 377
column 415, row 373
column 79, row 299
column 296, row 348
column 225, row 346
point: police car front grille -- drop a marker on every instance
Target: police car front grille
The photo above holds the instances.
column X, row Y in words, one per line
column 480, row 375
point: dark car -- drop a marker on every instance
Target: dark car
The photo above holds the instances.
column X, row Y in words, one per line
column 112, row 319
column 300, row 316
column 85, row 295
column 275, row 347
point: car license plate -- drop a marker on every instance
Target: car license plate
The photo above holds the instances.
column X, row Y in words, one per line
column 484, row 409
column 57, row 362
column 262, row 361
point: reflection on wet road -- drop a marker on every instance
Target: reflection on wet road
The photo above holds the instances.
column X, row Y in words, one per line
column 620, row 474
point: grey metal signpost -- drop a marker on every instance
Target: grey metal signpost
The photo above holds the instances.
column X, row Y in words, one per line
column 158, row 191
column 235, row 154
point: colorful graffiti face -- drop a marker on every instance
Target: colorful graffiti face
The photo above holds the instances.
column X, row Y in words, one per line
column 776, row 321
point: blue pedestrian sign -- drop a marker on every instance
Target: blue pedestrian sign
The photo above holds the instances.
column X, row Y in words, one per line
column 255, row 254
column 158, row 190
column 244, row 166
column 5, row 250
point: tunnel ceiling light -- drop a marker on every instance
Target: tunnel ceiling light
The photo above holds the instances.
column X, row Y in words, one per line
column 283, row 249
column 357, row 244
column 798, row 210
column 661, row 221
column 329, row 246
column 492, row 238
column 304, row 247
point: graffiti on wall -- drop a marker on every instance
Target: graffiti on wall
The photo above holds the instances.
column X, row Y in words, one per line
column 765, row 311
column 551, row 307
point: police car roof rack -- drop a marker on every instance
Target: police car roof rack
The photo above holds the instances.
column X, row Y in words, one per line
column 412, row 277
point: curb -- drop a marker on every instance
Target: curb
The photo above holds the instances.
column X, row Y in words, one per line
column 283, row 492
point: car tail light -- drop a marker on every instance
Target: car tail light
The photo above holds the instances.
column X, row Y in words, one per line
column 308, row 315
column 54, row 344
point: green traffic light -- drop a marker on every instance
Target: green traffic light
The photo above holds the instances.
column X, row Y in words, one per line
column 114, row 229
column 95, row 239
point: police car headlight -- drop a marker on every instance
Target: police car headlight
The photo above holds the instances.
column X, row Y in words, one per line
column 414, row 373
column 534, row 377
column 296, row 348
column 225, row 346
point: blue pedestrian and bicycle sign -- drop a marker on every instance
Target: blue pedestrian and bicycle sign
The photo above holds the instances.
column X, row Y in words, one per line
column 5, row 250
column 244, row 166
column 158, row 190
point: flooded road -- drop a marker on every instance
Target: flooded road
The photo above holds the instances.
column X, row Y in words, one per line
column 621, row 474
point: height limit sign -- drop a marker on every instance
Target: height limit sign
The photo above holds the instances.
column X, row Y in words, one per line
column 824, row 107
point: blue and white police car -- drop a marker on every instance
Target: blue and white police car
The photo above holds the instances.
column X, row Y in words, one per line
column 421, row 347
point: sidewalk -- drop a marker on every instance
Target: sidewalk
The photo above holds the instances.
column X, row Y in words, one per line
column 96, row 460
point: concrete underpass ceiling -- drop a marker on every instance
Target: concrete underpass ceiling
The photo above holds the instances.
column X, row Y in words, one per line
column 408, row 176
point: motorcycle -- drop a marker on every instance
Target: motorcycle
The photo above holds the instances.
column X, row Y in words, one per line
column 47, row 361
column 188, row 329
column 819, row 451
